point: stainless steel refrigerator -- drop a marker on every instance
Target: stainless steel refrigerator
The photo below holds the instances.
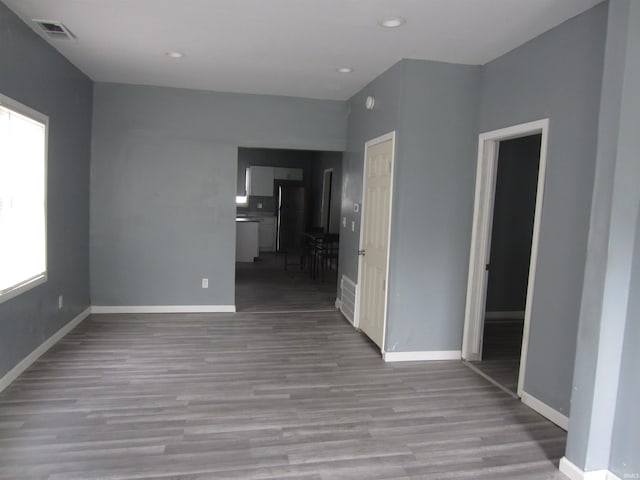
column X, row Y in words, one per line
column 291, row 217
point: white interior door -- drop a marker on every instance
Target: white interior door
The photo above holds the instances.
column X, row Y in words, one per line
column 374, row 237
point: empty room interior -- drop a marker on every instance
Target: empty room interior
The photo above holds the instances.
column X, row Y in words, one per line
column 319, row 239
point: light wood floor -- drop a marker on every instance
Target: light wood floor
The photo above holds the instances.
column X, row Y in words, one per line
column 258, row 396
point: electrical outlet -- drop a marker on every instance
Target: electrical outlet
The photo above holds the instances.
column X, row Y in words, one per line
column 60, row 301
column 344, row 222
column 353, row 225
column 205, row 283
column 259, row 205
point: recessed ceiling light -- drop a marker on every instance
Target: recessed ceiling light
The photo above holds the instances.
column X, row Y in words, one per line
column 174, row 54
column 392, row 22
column 344, row 70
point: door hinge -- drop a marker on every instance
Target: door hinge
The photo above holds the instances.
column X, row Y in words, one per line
column 361, row 253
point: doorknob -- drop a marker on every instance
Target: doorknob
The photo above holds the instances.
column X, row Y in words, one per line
column 361, row 252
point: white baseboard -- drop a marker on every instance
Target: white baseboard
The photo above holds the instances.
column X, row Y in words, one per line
column 15, row 372
column 502, row 315
column 421, row 356
column 545, row 410
column 338, row 304
column 164, row 309
column 575, row 473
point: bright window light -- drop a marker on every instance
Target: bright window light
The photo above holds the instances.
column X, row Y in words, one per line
column 23, row 165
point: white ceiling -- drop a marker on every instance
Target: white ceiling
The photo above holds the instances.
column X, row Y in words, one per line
column 285, row 47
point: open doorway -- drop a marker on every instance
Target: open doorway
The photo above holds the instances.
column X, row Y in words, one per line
column 509, row 191
column 509, row 257
column 280, row 206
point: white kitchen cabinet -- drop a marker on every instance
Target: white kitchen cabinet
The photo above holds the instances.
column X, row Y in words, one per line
column 261, row 181
column 280, row 173
column 246, row 240
column 267, row 234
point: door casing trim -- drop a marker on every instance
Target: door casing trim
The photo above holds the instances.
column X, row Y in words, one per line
column 481, row 237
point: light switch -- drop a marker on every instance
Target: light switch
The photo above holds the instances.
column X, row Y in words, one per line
column 259, row 204
column 344, row 222
column 356, row 207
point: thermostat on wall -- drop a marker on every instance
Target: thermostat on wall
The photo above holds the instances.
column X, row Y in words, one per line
column 356, row 207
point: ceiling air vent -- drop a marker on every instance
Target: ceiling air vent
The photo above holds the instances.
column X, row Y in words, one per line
column 55, row 29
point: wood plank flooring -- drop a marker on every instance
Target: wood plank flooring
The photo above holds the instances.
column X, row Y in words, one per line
column 265, row 286
column 502, row 371
column 258, row 396
column 502, row 342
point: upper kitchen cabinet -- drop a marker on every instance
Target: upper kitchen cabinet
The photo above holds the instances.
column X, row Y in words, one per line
column 280, row 173
column 260, row 181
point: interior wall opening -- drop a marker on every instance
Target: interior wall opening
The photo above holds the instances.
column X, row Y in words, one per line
column 287, row 229
column 510, row 179
column 509, row 258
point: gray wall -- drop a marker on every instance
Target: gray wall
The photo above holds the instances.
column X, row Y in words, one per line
column 512, row 227
column 556, row 76
column 626, row 442
column 164, row 175
column 604, row 400
column 364, row 125
column 34, row 74
column 432, row 209
column 322, row 162
column 433, row 108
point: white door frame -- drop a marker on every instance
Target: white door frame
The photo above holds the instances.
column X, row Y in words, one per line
column 383, row 138
column 481, row 238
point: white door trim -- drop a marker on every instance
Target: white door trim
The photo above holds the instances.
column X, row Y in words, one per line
column 481, row 237
column 383, row 138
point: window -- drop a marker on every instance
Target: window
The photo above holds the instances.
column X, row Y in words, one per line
column 23, row 166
